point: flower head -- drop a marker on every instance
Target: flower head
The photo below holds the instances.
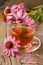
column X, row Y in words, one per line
column 17, row 14
column 10, row 46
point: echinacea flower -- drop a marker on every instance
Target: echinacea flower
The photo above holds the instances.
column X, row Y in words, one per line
column 10, row 46
column 17, row 14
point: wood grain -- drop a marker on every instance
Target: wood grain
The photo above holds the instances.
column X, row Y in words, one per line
column 28, row 3
column 4, row 60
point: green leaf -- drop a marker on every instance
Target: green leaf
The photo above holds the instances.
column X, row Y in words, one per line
column 42, row 18
column 38, row 7
column 33, row 12
column 37, row 13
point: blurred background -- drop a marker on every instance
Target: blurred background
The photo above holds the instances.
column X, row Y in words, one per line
column 28, row 3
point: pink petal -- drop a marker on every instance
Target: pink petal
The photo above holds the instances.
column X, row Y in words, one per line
column 19, row 14
column 9, row 21
column 29, row 20
column 32, row 62
column 9, row 53
column 28, row 59
column 18, row 21
column 34, row 25
column 12, row 53
column 15, row 16
column 32, row 22
column 9, row 38
column 5, row 41
column 40, row 34
column 39, row 56
column 15, row 49
column 9, row 17
column 28, row 49
column 13, row 39
column 26, row 19
column 21, row 6
column 24, row 16
column 13, row 8
column 18, row 56
column 9, row 14
column 6, row 53
column 18, row 41
column 4, row 50
column 3, row 46
column 16, row 44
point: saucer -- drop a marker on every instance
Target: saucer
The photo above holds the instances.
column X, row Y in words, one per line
column 31, row 48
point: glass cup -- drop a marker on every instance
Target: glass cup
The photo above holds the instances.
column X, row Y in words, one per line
column 24, row 34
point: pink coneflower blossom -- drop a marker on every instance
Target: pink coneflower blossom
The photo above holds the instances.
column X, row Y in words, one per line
column 17, row 14
column 10, row 18
column 10, row 46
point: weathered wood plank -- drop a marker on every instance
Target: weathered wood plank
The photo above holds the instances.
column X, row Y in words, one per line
column 2, row 37
column 5, row 33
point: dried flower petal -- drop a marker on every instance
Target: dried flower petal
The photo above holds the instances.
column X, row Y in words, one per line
column 18, row 56
column 40, row 34
column 28, row 59
column 39, row 56
column 32, row 62
column 9, row 46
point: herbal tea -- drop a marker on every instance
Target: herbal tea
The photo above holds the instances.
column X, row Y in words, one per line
column 24, row 34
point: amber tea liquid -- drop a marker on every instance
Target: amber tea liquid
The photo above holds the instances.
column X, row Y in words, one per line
column 24, row 34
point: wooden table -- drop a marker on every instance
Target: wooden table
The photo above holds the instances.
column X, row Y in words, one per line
column 4, row 60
